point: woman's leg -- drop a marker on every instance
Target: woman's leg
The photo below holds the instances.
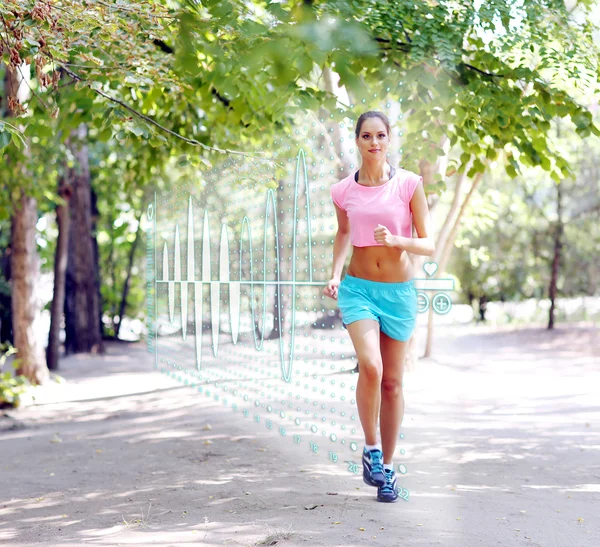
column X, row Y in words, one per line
column 393, row 353
column 364, row 334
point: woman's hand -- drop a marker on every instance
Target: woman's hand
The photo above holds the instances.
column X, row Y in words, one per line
column 384, row 236
column 331, row 289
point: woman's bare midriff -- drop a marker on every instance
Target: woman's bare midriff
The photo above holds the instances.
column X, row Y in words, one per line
column 379, row 263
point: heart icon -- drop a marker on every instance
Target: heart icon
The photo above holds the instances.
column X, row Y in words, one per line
column 430, row 268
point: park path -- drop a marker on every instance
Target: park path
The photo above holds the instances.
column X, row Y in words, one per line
column 501, row 443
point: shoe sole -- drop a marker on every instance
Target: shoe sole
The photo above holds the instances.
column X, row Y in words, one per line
column 387, row 500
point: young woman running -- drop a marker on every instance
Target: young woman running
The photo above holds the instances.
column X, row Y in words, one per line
column 377, row 297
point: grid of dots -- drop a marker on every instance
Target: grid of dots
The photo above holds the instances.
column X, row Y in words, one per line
column 316, row 408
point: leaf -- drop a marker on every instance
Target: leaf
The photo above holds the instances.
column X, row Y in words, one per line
column 582, row 119
column 5, row 138
column 16, row 140
column 84, row 103
column 317, row 54
column 304, row 63
column 136, row 130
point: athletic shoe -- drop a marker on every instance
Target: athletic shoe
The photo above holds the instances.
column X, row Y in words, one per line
column 389, row 491
column 372, row 461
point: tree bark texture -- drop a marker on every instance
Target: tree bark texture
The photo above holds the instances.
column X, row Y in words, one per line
column 123, row 304
column 558, row 231
column 25, row 267
column 82, row 302
column 26, row 306
column 60, row 270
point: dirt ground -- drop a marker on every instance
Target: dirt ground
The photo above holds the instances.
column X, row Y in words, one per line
column 501, row 445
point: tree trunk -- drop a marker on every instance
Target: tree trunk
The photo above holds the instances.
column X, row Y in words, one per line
column 60, row 269
column 111, row 271
column 26, row 308
column 443, row 252
column 558, row 231
column 428, row 171
column 330, row 80
column 95, row 214
column 82, row 303
column 128, row 278
column 25, row 266
column 6, row 333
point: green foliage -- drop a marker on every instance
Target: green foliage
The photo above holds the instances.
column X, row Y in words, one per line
column 11, row 386
column 161, row 80
column 506, row 243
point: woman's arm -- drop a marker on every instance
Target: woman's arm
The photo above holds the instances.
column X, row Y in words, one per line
column 341, row 243
column 424, row 244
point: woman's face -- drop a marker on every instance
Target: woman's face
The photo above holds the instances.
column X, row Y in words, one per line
column 373, row 140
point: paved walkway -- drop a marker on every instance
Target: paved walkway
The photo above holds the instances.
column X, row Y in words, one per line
column 501, row 445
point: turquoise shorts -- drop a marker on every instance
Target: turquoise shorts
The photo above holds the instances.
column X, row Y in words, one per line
column 393, row 305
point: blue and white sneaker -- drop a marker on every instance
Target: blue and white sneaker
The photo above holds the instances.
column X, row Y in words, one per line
column 372, row 461
column 389, row 491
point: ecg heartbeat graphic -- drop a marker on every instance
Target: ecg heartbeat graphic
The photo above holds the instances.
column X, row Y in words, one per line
column 224, row 275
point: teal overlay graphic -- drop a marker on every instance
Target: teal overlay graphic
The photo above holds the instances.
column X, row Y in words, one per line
column 234, row 286
column 440, row 302
column 236, row 264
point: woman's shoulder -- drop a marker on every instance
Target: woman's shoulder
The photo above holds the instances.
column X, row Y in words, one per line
column 339, row 190
column 407, row 183
column 342, row 185
column 345, row 181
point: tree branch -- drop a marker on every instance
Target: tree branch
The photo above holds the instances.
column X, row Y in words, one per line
column 490, row 74
column 162, row 127
column 163, row 46
column 402, row 44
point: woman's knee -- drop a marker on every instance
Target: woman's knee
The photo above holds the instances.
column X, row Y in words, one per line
column 372, row 368
column 391, row 387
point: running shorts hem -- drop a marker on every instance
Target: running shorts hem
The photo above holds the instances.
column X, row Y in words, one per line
column 393, row 305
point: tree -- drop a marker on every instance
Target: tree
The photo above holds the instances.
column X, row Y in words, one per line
column 83, row 326
column 24, row 267
column 469, row 97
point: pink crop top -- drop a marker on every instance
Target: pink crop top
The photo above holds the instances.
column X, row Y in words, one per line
column 367, row 206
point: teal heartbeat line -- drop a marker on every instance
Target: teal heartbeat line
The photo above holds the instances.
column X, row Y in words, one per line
column 234, row 285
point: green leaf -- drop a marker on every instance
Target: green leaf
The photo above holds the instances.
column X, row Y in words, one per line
column 317, row 55
column 136, row 130
column 491, row 153
column 582, row 119
column 16, row 140
column 5, row 138
column 84, row 103
column 304, row 63
column 473, row 136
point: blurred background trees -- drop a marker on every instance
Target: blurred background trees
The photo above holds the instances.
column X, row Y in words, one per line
column 494, row 103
